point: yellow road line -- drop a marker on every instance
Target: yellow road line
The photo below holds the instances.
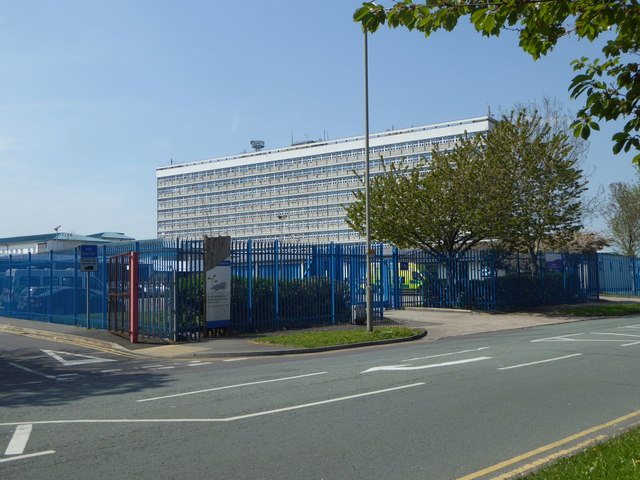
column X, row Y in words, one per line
column 546, row 448
column 68, row 341
column 542, row 461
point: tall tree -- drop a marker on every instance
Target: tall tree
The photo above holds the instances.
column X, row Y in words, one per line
column 444, row 206
column 540, row 177
column 623, row 217
column 611, row 84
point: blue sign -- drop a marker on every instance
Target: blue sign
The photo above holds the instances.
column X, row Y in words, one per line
column 88, row 258
column 88, row 251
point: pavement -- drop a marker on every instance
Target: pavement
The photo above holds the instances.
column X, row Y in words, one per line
column 434, row 324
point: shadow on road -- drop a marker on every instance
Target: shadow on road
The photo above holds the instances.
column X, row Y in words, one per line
column 20, row 387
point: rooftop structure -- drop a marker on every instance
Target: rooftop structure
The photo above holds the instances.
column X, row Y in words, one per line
column 296, row 192
column 57, row 242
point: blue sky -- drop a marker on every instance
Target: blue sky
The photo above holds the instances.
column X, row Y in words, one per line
column 95, row 95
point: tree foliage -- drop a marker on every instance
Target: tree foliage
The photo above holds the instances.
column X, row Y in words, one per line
column 539, row 173
column 445, row 206
column 623, row 217
column 611, row 84
column 521, row 185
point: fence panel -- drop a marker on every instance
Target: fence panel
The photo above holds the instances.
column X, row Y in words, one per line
column 619, row 275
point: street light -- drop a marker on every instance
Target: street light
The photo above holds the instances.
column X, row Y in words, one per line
column 367, row 214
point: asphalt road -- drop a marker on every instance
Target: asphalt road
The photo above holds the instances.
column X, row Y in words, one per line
column 473, row 407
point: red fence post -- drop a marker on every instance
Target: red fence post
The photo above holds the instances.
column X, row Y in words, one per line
column 133, row 297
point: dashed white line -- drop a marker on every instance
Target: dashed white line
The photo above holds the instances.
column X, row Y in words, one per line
column 234, row 359
column 197, row 364
column 540, row 361
column 230, row 386
column 111, row 371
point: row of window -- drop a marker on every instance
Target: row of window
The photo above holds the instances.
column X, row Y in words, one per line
column 301, row 161
column 281, row 215
column 318, row 236
column 297, row 188
column 269, row 204
column 275, row 226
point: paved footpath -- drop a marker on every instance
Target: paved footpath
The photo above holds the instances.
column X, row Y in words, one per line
column 438, row 323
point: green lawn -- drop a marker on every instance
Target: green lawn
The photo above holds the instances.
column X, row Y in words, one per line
column 603, row 310
column 337, row 337
column 616, row 459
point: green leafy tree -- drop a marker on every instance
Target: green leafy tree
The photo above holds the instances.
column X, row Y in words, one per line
column 611, row 84
column 537, row 165
column 444, row 206
column 622, row 212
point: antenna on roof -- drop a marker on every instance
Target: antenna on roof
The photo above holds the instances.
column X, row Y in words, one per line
column 257, row 145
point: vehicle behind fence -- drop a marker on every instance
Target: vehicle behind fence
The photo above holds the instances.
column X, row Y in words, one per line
column 279, row 285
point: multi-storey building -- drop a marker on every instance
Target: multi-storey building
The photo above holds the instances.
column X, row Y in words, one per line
column 296, row 192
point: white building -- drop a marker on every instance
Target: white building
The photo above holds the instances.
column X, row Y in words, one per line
column 296, row 192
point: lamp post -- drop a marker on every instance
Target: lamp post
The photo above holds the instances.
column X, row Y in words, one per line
column 367, row 214
column 282, row 218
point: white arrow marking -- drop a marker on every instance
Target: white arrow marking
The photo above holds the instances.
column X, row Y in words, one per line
column 19, row 440
column 85, row 359
column 424, row 367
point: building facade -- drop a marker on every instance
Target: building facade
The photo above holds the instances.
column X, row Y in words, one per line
column 292, row 193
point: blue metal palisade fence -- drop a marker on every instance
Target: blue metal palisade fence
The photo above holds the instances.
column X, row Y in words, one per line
column 619, row 275
column 492, row 280
column 285, row 285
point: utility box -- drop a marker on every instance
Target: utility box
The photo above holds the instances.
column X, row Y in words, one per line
column 358, row 314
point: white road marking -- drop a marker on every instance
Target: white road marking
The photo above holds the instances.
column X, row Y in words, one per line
column 559, row 338
column 152, row 366
column 540, row 361
column 111, row 371
column 162, row 368
column 234, row 359
column 230, row 386
column 221, row 420
column 631, row 326
column 197, row 364
column 19, row 440
column 446, row 354
column 424, row 367
column 616, row 334
column 50, row 377
column 84, row 359
column 30, row 455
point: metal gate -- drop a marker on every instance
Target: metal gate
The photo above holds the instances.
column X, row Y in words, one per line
column 122, row 274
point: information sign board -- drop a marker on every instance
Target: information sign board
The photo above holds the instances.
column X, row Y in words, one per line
column 88, row 258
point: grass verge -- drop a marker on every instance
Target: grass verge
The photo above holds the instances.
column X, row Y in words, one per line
column 616, row 459
column 603, row 310
column 337, row 337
